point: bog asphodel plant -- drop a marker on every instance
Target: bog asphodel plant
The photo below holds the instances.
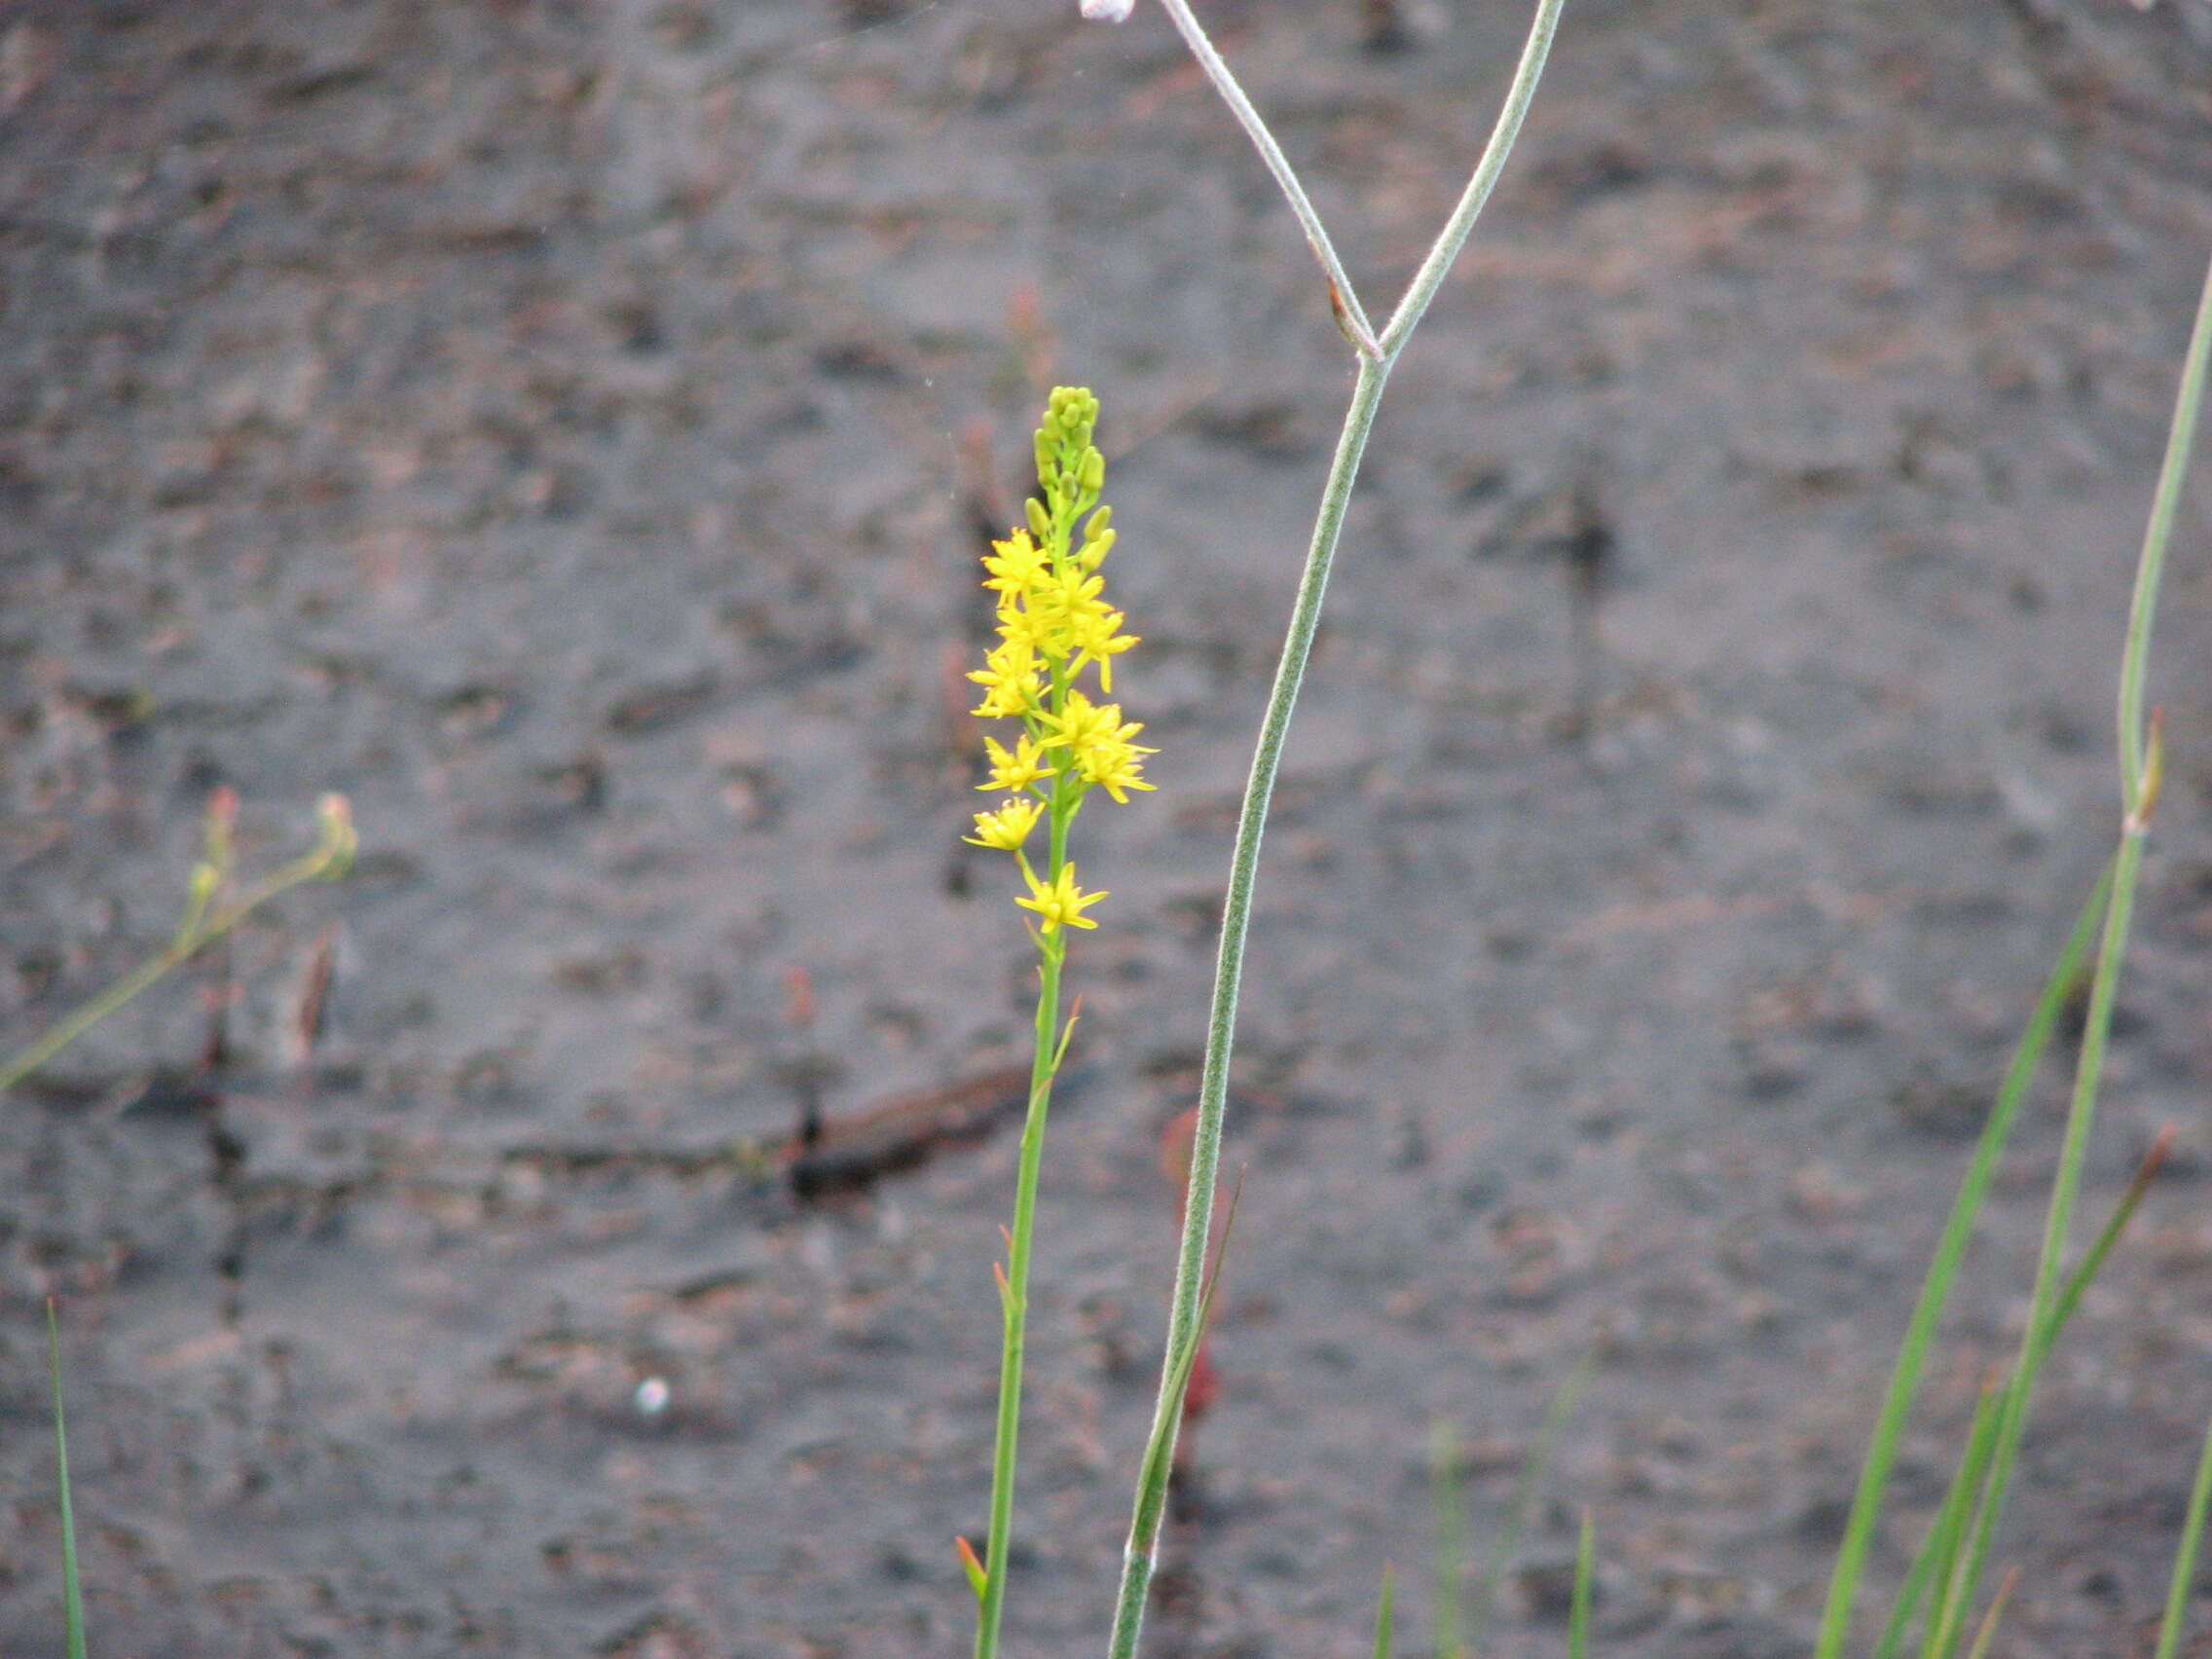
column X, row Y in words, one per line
column 1057, row 638
column 1056, row 626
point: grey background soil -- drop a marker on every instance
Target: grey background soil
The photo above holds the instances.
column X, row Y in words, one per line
column 565, row 428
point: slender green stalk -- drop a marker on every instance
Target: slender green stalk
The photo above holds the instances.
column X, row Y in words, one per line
column 1158, row 1460
column 72, row 1590
column 1451, row 1534
column 2056, row 1291
column 1578, row 1612
column 204, row 922
column 142, row 977
column 1382, row 1611
column 1523, row 1500
column 1015, row 1289
column 1216, row 67
column 1374, row 368
column 2185, row 1558
column 1935, row 1290
column 2180, row 437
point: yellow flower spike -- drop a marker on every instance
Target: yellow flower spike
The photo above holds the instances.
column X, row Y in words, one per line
column 1006, row 828
column 1060, row 903
column 1015, row 772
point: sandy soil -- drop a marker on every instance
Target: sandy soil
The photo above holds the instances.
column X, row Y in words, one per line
column 565, row 427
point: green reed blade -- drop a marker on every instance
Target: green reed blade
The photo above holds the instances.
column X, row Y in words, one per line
column 72, row 1593
column 1942, row 1271
column 1523, row 1502
column 1383, row 1613
column 1449, row 1530
column 1578, row 1614
column 2185, row 1558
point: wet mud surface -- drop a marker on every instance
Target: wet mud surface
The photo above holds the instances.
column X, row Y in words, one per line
column 566, row 429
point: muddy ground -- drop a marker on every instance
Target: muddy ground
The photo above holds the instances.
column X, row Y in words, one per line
column 563, row 429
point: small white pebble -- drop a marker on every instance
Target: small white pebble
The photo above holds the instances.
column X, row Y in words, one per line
column 1111, row 10
column 652, row 1397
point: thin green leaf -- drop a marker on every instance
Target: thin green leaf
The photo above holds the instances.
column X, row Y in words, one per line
column 2185, row 1558
column 1578, row 1614
column 1980, row 1648
column 72, row 1591
column 2051, row 1279
column 1953, row 1523
column 1942, row 1271
column 1383, row 1613
column 1932, row 1562
column 2123, row 1212
column 1448, row 1527
column 979, row 1580
column 1525, row 1494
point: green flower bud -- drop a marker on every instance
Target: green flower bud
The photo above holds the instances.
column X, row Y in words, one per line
column 1040, row 522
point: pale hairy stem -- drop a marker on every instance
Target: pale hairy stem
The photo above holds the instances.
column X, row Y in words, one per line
column 1422, row 290
column 1216, row 67
column 1375, row 361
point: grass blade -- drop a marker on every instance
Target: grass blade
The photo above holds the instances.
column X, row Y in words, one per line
column 2185, row 1558
column 1932, row 1562
column 1383, row 1613
column 1578, row 1615
column 1450, row 1533
column 1942, row 1271
column 72, row 1594
column 2123, row 1212
column 1525, row 1494
column 2050, row 1283
column 1980, row 1647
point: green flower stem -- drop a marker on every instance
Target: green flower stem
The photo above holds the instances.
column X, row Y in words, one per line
column 1044, row 1067
column 1376, row 357
column 199, row 928
column 1016, row 1298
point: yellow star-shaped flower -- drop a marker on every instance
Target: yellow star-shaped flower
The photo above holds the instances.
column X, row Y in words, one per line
column 1058, row 904
column 1006, row 829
